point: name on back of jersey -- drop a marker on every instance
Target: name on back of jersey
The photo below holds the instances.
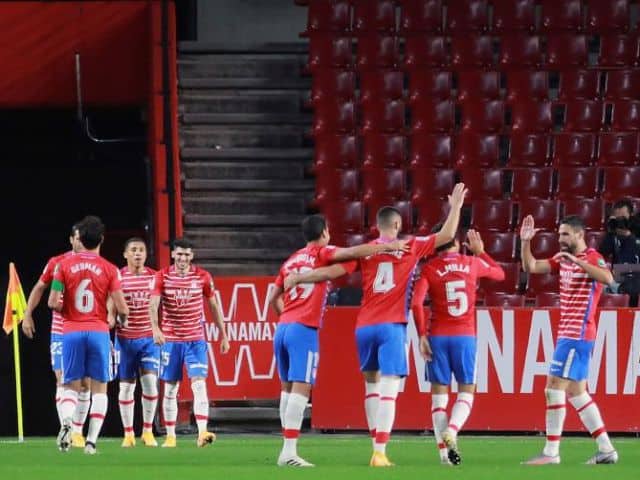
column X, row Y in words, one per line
column 300, row 258
column 453, row 267
column 86, row 266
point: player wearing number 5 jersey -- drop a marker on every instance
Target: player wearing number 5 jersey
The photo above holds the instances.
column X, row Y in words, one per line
column 301, row 310
column 451, row 279
column 87, row 280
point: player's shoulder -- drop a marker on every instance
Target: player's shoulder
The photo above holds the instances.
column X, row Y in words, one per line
column 150, row 271
column 201, row 272
column 595, row 257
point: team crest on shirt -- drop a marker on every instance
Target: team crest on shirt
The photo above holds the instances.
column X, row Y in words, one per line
column 182, row 296
column 139, row 299
column 194, row 284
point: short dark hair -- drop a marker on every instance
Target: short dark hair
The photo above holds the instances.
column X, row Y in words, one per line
column 624, row 202
column 74, row 228
column 91, row 230
column 313, row 226
column 181, row 243
column 435, row 229
column 132, row 240
column 385, row 215
column 574, row 221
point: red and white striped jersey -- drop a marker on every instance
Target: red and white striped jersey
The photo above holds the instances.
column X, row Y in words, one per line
column 47, row 277
column 182, row 302
column 136, row 288
column 579, row 296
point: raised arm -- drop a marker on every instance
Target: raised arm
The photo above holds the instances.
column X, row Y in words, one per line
column 448, row 231
column 35, row 296
column 529, row 262
column 368, row 249
column 314, row 276
column 488, row 267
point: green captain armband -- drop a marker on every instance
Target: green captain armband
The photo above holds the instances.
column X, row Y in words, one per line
column 57, row 286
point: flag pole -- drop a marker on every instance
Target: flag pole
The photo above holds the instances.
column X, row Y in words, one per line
column 15, row 306
column 16, row 361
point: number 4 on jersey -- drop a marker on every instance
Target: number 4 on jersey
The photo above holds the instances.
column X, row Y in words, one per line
column 384, row 278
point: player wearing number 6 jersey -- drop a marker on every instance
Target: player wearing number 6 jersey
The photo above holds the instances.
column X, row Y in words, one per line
column 87, row 280
column 387, row 280
column 301, row 310
column 451, row 279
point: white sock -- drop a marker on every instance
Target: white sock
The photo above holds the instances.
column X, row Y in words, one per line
column 555, row 415
column 590, row 415
column 125, row 401
column 149, row 383
column 292, row 423
column 96, row 416
column 389, row 387
column 284, row 398
column 81, row 411
column 170, row 407
column 59, row 395
column 460, row 411
column 440, row 419
column 68, row 404
column 371, row 403
column 200, row 405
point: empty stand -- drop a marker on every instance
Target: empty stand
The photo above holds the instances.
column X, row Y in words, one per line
column 424, row 50
column 504, row 300
column 467, row 15
column 483, row 184
column 545, row 245
column 327, row 50
column 621, row 182
column 618, row 50
column 547, row 299
column 381, row 84
column 334, row 116
column 541, row 283
column 430, row 212
column 327, row 16
column 344, row 216
column 335, row 151
column 429, row 84
column 622, row 84
column 476, row 149
column 387, row 183
column 574, row 149
column 614, row 300
column 526, row 85
column 421, row 16
column 333, row 184
column 430, row 183
column 564, row 49
column 590, row 210
column 594, row 239
column 528, row 150
column 431, row 150
column 383, row 115
column 545, row 212
column 579, row 84
column 374, row 16
column 483, row 115
column 618, row 149
column 471, row 51
column 532, row 183
column 514, row 15
column 531, row 116
column 377, row 51
column 510, row 284
column 519, row 50
column 561, row 15
column 333, row 84
column 625, row 115
column 500, row 245
column 383, row 151
column 577, row 182
column 477, row 85
column 493, row 215
column 432, row 116
column 607, row 16
column 583, row 116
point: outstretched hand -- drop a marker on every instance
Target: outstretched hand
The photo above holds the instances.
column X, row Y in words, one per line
column 290, row 281
column 398, row 245
column 456, row 199
column 565, row 256
column 528, row 230
column 474, row 242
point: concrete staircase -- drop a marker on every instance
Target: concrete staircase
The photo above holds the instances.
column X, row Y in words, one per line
column 244, row 155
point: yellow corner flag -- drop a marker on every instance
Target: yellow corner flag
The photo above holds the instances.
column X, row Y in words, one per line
column 14, row 309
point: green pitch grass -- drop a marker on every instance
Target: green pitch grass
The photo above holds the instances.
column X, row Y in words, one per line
column 336, row 457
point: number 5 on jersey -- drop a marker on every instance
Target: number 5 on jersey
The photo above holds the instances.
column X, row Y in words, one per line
column 457, row 298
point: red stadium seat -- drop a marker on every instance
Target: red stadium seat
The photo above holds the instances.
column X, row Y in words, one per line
column 614, row 300
column 541, row 283
column 421, row 16
column 425, row 51
column 483, row 116
column 328, row 16
column 532, row 183
column 493, row 215
column 583, row 116
column 621, row 182
column 625, row 115
column 467, row 15
column 433, row 116
column 334, row 84
column 559, row 15
column 404, row 207
column 548, row 299
column 334, row 117
column 590, row 210
column 520, row 50
column 545, row 245
column 429, row 84
column 594, row 239
column 500, row 245
column 335, row 151
column 327, row 50
column 576, row 84
column 622, row 84
column 483, row 184
column 430, row 213
column 383, row 116
column 431, row 150
column 574, row 149
column 377, row 51
column 527, row 85
column 564, row 50
column 387, row 183
column 344, row 239
column 476, row 150
column 477, row 84
column 344, row 216
column 374, row 16
column 504, row 300
column 430, row 183
column 618, row 148
column 618, row 50
column 471, row 51
column 510, row 284
column 514, row 15
column 383, row 151
column 528, row 150
column 333, row 185
column 609, row 16
column 375, row 85
column 532, row 116
column 546, row 213
column 577, row 182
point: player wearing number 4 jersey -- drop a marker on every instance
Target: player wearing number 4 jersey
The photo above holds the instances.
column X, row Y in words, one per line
column 387, row 280
column 87, row 280
column 451, row 279
column 582, row 273
column 301, row 310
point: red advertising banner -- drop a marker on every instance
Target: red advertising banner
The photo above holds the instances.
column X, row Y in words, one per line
column 514, row 349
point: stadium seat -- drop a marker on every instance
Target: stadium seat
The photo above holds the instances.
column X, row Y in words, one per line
column 344, row 216
column 545, row 212
column 476, row 150
column 387, row 183
column 548, row 299
column 500, row 245
column 483, row 115
column 383, row 151
column 333, row 184
column 520, row 50
column 510, row 284
column 622, row 84
column 618, row 148
column 545, row 245
column 378, row 84
column 467, row 16
column 404, row 207
column 471, row 51
column 593, row 239
column 579, row 83
column 334, row 117
column 531, row 116
column 609, row 16
column 335, row 151
column 478, row 84
column 383, row 116
column 430, row 183
column 327, row 50
column 374, row 16
column 330, row 83
column 431, row 150
column 561, row 15
column 344, row 239
column 528, row 150
column 514, row 15
column 618, row 51
column 590, row 210
column 621, row 182
column 577, row 182
column 483, row 184
column 328, row 16
column 574, row 149
column 495, row 215
column 565, row 50
column 377, row 51
column 614, row 300
column 421, row 16
column 430, row 212
column 527, row 85
column 504, row 300
column 429, row 84
column 432, row 116
column 425, row 51
column 531, row 183
column 583, row 116
column 625, row 115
